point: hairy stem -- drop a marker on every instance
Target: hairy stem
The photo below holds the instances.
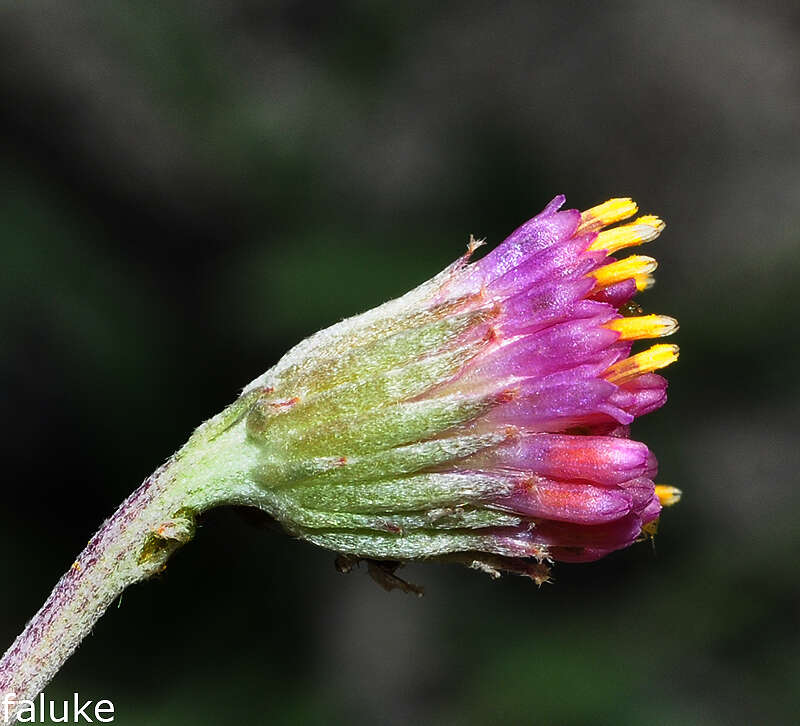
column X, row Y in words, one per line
column 133, row 544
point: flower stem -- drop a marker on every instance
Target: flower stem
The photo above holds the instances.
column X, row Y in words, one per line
column 133, row 544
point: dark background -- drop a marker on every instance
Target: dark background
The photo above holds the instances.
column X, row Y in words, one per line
column 189, row 188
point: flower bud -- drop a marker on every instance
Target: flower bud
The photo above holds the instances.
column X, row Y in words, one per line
column 484, row 415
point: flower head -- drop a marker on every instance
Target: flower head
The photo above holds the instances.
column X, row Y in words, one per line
column 483, row 416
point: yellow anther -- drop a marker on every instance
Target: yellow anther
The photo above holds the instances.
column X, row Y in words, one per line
column 644, row 282
column 668, row 495
column 658, row 356
column 643, row 229
column 646, row 326
column 610, row 212
column 635, row 267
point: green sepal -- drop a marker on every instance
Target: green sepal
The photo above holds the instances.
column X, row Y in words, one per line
column 421, row 491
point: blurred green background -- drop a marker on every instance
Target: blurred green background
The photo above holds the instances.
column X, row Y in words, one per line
column 189, row 188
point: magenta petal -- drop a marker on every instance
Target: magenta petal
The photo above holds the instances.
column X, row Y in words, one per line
column 534, row 309
column 642, row 395
column 553, row 205
column 578, row 554
column 603, row 460
column 617, row 294
column 567, row 501
column 535, row 235
column 555, row 348
column 651, row 512
column 560, row 407
column 642, row 492
column 561, row 260
column 549, row 533
column 614, row 535
column 652, row 466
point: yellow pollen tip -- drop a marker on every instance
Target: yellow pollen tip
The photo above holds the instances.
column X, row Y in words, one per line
column 610, row 212
column 658, row 356
column 643, row 229
column 635, row 267
column 668, row 495
column 645, row 326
